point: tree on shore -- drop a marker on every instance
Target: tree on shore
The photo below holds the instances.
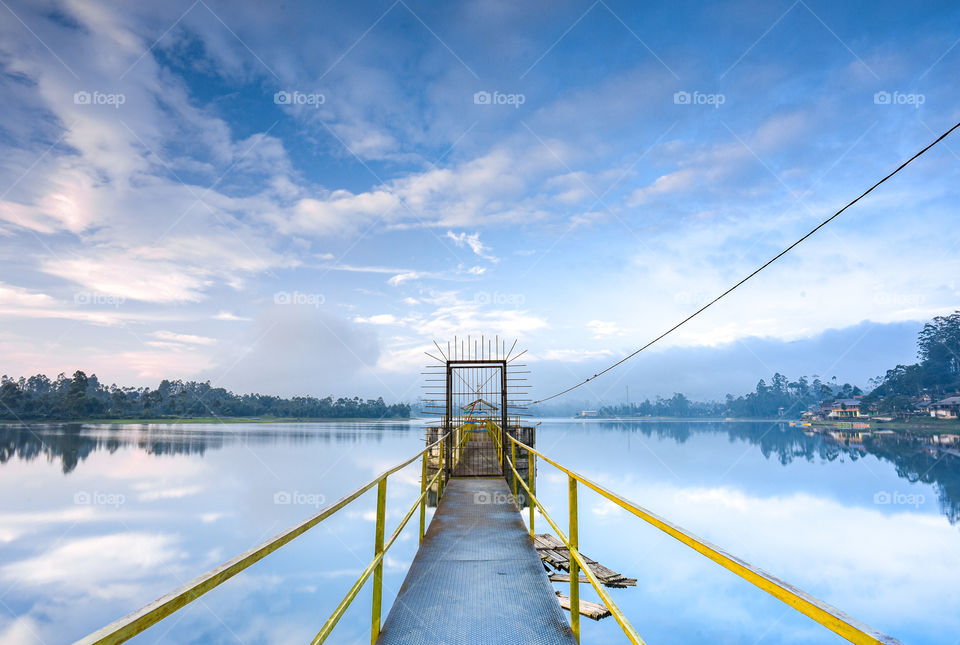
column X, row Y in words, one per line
column 84, row 397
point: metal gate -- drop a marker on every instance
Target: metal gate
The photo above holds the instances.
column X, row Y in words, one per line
column 472, row 378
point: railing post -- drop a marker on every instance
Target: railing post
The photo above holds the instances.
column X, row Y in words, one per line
column 574, row 565
column 513, row 463
column 423, row 502
column 378, row 570
column 530, row 477
column 440, row 478
column 500, row 443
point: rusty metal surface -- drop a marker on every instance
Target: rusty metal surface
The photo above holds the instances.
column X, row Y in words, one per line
column 479, row 458
column 476, row 578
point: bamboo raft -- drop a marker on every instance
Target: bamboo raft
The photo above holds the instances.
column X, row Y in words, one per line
column 554, row 553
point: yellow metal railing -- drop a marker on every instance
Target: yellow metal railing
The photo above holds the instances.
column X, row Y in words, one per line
column 821, row 612
column 131, row 625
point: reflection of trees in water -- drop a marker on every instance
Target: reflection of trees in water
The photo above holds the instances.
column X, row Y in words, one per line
column 913, row 459
column 918, row 462
column 72, row 443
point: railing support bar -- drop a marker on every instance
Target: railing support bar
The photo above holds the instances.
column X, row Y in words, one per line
column 378, row 553
column 530, row 489
column 513, row 460
column 440, row 481
column 423, row 501
column 574, row 566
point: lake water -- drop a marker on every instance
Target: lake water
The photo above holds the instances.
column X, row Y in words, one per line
column 96, row 521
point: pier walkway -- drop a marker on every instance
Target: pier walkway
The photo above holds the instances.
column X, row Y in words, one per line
column 477, row 577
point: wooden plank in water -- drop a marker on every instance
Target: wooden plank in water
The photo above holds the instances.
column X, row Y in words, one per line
column 556, row 553
column 589, row 609
column 565, row 577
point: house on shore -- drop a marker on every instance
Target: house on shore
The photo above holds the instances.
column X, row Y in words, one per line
column 844, row 409
column 948, row 408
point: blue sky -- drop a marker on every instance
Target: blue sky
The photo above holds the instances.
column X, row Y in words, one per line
column 298, row 199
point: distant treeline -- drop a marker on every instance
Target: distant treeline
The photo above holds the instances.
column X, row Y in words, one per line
column 898, row 392
column 782, row 397
column 84, row 397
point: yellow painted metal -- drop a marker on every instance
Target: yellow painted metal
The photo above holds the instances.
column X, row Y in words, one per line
column 129, row 626
column 355, row 589
column 574, row 567
column 378, row 569
column 423, row 498
column 440, row 481
column 513, row 460
column 499, row 432
column 823, row 613
column 625, row 625
column 530, row 474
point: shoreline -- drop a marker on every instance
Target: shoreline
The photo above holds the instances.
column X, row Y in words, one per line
column 925, row 426
column 204, row 420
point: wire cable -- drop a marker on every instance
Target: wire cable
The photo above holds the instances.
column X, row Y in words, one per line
column 755, row 271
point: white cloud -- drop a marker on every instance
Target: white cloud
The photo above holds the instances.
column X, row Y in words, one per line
column 129, row 277
column 22, row 630
column 673, row 182
column 572, row 355
column 378, row 319
column 602, row 328
column 226, row 315
column 400, row 278
column 472, row 241
column 184, row 338
column 340, row 211
column 20, row 297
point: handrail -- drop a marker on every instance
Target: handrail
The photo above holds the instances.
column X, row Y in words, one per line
column 375, row 565
column 129, row 626
column 823, row 613
column 355, row 589
column 628, row 629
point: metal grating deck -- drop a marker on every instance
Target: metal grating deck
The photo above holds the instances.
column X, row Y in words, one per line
column 476, row 578
column 479, row 458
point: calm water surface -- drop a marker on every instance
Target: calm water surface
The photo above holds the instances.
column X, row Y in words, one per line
column 96, row 521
